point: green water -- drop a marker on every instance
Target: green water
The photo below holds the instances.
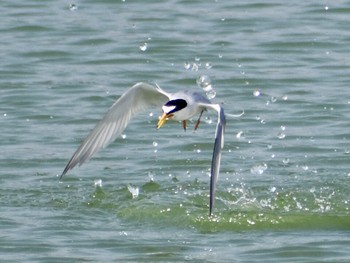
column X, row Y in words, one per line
column 283, row 191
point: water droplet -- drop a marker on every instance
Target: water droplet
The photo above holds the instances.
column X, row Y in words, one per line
column 123, row 233
column 281, row 135
column 250, row 222
column 151, row 176
column 98, row 182
column 194, row 67
column 285, row 160
column 239, row 135
column 211, row 94
column 73, row 7
column 208, row 65
column 134, row 191
column 273, row 99
column 285, row 97
column 258, row 169
column 208, row 88
column 143, row 47
column 123, row 136
column 305, row 167
column 283, row 128
column 257, row 93
column 326, row 8
column 203, row 81
column 208, row 120
column 187, row 65
column 155, row 144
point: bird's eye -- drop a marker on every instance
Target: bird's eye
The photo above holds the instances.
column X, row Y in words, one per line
column 174, row 105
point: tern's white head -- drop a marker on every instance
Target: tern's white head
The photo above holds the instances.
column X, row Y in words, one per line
column 169, row 110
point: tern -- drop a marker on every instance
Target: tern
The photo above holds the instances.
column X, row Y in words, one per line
column 178, row 106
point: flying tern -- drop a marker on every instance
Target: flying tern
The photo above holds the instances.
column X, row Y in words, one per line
column 179, row 106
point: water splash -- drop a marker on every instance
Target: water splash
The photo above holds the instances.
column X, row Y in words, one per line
column 155, row 145
column 257, row 93
column 73, row 7
column 258, row 169
column 98, row 182
column 204, row 82
column 208, row 65
column 134, row 191
column 151, row 176
column 143, row 47
column 240, row 135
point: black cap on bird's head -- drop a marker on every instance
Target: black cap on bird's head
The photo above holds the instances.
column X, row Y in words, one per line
column 170, row 108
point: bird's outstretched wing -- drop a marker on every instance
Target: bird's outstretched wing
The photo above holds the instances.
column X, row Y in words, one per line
column 134, row 100
column 218, row 145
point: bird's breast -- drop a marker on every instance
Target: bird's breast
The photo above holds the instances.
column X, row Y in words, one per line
column 187, row 113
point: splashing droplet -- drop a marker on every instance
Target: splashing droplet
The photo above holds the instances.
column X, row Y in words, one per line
column 98, row 183
column 305, row 167
column 151, row 176
column 281, row 135
column 204, row 82
column 211, row 94
column 194, row 67
column 208, row 65
column 285, row 161
column 208, row 120
column 134, row 191
column 240, row 135
column 257, row 93
column 73, row 7
column 143, row 47
column 187, row 65
column 258, row 169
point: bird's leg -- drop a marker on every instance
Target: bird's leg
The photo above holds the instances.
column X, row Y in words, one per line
column 184, row 124
column 198, row 121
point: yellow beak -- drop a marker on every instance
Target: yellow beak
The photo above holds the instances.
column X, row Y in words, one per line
column 163, row 119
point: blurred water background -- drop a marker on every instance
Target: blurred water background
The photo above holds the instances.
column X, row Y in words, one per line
column 283, row 192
